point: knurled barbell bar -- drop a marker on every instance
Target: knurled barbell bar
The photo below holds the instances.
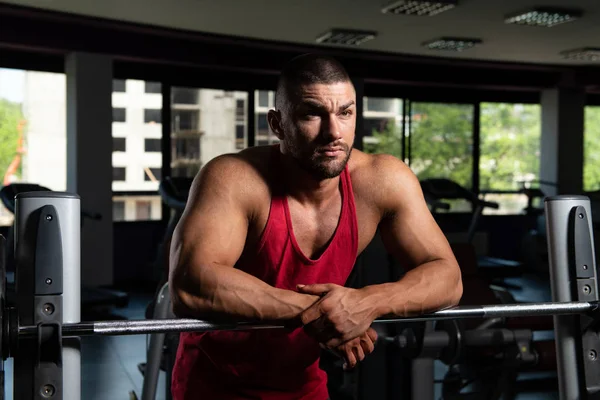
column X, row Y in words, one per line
column 148, row 326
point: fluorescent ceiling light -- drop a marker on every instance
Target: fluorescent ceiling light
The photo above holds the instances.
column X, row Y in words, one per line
column 582, row 54
column 452, row 44
column 420, row 8
column 347, row 37
column 543, row 16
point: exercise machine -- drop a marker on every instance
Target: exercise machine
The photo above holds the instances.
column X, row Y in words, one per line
column 91, row 297
column 439, row 190
column 41, row 332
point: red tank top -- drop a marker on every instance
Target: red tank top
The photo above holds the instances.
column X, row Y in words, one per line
column 273, row 363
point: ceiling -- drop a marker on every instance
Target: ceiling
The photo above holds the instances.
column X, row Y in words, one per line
column 301, row 21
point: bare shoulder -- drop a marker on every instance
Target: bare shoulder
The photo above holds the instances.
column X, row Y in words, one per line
column 383, row 180
column 242, row 175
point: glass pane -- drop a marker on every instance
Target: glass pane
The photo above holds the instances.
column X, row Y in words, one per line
column 119, row 114
column 118, row 211
column 141, row 130
column 591, row 146
column 136, row 207
column 32, row 130
column 118, row 85
column 152, row 116
column 264, row 103
column 152, row 87
column 205, row 124
column 510, row 137
column 119, row 144
column 151, row 145
column 441, row 140
column 263, row 98
column 382, row 126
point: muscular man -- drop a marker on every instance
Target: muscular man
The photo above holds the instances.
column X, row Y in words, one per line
column 272, row 233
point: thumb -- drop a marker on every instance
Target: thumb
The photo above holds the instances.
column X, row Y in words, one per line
column 318, row 289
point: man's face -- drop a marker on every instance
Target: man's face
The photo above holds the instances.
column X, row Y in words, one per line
column 318, row 124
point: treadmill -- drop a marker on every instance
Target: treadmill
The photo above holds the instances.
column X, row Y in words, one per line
column 91, row 297
column 437, row 190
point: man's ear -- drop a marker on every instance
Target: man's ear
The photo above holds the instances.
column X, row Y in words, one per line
column 274, row 120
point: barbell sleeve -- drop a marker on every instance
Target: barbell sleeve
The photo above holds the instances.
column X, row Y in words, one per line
column 136, row 327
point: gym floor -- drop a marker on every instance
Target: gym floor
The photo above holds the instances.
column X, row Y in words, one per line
column 109, row 365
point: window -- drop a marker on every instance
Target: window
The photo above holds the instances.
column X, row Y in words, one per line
column 118, row 211
column 441, row 141
column 591, row 147
column 118, row 144
column 152, row 116
column 118, row 114
column 240, row 110
column 441, row 144
column 143, row 210
column 510, row 137
column 152, row 145
column 240, row 137
column 118, row 85
column 262, row 124
column 264, row 136
column 186, row 120
column 118, row 174
column 207, row 129
column 32, row 130
column 186, row 148
column 152, row 174
column 152, row 87
column 264, row 97
column 142, row 130
column 382, row 131
column 185, row 96
column 383, row 105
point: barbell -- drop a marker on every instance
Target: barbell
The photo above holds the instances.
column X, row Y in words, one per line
column 150, row 326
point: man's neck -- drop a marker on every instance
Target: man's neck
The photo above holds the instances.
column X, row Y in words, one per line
column 304, row 188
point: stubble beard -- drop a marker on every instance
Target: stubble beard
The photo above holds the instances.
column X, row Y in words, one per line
column 319, row 167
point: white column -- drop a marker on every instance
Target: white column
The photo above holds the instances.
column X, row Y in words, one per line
column 89, row 159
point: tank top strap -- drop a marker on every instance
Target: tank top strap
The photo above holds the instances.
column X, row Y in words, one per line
column 349, row 221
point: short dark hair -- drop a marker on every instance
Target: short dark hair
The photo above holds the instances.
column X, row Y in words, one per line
column 309, row 69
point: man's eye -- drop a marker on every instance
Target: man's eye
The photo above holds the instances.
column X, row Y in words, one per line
column 346, row 113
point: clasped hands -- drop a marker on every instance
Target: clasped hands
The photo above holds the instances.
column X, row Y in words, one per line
column 340, row 320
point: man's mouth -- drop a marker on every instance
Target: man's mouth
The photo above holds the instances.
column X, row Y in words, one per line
column 331, row 151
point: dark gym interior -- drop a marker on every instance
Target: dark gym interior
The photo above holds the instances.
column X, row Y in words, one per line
column 493, row 105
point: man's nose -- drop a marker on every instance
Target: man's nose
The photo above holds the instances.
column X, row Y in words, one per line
column 331, row 128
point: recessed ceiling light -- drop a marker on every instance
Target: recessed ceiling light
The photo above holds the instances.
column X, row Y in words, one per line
column 348, row 37
column 546, row 17
column 421, row 8
column 452, row 44
column 582, row 54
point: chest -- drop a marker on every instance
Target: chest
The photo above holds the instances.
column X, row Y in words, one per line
column 314, row 227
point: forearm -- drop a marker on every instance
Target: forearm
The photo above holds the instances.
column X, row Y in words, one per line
column 427, row 288
column 221, row 292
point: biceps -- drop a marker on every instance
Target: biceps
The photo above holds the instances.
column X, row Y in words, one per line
column 208, row 235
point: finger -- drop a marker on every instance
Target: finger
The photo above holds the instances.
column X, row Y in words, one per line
column 317, row 289
column 372, row 333
column 350, row 358
column 358, row 351
column 367, row 344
